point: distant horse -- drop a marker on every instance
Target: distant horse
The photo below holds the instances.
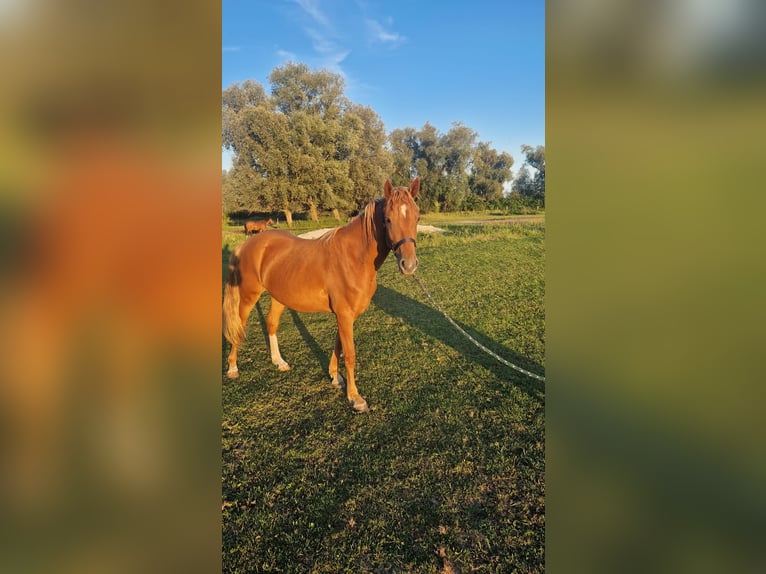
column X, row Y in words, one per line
column 252, row 227
column 335, row 273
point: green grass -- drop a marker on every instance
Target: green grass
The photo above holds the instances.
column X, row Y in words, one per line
column 458, row 218
column 447, row 468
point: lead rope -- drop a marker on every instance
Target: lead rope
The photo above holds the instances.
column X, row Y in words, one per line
column 474, row 341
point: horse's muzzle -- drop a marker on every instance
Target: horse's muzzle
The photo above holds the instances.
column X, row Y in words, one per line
column 407, row 265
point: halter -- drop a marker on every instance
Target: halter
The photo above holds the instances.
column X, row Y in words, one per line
column 399, row 243
column 395, row 246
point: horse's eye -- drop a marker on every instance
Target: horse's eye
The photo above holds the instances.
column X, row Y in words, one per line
column 388, row 220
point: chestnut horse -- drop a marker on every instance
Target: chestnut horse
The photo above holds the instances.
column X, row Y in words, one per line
column 335, row 273
column 252, row 227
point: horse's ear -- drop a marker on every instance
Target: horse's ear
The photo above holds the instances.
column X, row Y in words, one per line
column 387, row 189
column 415, row 187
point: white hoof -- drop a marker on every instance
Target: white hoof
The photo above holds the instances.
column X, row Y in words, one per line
column 232, row 373
column 338, row 382
column 282, row 366
column 360, row 405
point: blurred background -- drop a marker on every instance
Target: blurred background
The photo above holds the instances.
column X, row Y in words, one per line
column 110, row 297
column 655, row 313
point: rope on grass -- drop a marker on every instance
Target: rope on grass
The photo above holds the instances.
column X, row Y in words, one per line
column 470, row 338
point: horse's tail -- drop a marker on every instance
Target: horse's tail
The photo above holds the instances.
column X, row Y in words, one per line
column 232, row 325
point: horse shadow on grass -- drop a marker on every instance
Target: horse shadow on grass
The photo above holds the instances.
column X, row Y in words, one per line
column 435, row 325
column 432, row 323
column 321, row 356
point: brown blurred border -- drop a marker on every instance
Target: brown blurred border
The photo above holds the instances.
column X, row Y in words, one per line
column 110, row 401
column 655, row 314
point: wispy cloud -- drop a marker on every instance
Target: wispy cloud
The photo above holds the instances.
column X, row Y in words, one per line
column 324, row 38
column 380, row 35
column 311, row 7
column 287, row 56
column 331, row 53
column 321, row 42
column 231, row 49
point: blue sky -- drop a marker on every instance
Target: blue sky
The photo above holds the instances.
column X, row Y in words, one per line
column 480, row 62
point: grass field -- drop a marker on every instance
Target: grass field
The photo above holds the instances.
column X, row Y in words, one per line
column 446, row 472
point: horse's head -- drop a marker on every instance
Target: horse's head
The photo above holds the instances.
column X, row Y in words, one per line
column 401, row 216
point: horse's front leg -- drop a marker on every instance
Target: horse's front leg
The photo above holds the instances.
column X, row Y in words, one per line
column 346, row 335
column 272, row 324
column 337, row 379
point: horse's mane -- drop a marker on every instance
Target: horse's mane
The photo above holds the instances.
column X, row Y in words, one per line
column 367, row 217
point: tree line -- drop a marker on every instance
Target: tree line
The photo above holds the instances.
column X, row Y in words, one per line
column 307, row 148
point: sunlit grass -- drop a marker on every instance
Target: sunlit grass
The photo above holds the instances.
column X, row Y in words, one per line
column 461, row 218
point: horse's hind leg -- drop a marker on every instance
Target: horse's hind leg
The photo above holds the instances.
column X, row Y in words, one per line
column 337, row 379
column 246, row 303
column 272, row 324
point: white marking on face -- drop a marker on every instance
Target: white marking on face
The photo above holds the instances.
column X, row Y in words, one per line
column 403, row 209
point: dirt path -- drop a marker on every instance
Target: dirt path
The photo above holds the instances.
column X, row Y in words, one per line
column 432, row 229
column 320, row 232
column 526, row 219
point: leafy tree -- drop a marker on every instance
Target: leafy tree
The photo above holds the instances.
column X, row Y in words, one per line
column 401, row 143
column 371, row 163
column 523, row 183
column 234, row 100
column 428, row 163
column 248, row 94
column 489, row 172
column 535, row 157
column 456, row 172
column 296, row 87
column 456, row 148
column 313, row 103
column 264, row 161
column 306, row 147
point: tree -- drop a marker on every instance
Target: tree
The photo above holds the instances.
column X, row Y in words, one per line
column 401, row 143
column 531, row 187
column 371, row 163
column 296, row 87
column 231, row 198
column 264, row 156
column 234, row 100
column 456, row 147
column 535, row 157
column 523, row 183
column 456, row 171
column 306, row 147
column 248, row 94
column 314, row 104
column 489, row 172
column 428, row 164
